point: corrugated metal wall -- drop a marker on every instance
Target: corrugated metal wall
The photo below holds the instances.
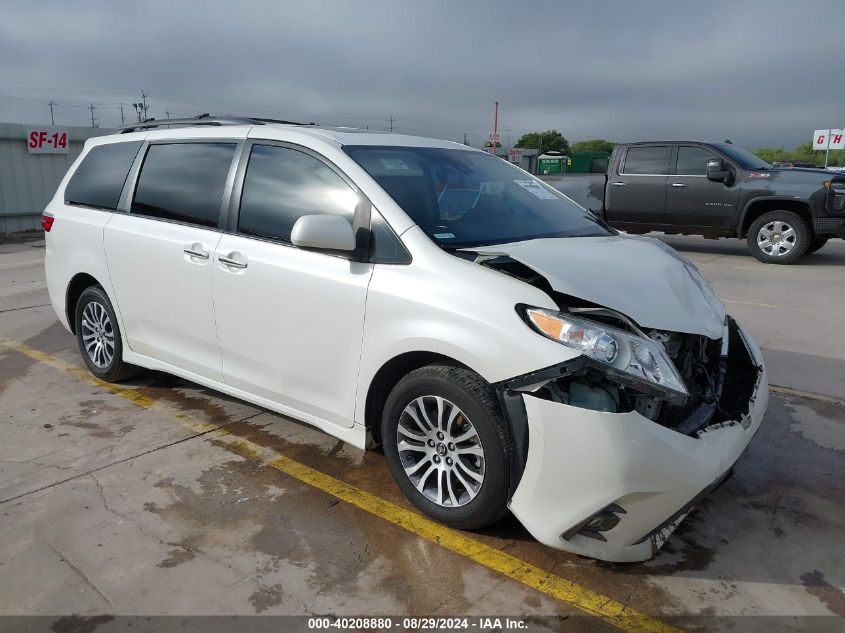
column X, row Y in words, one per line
column 28, row 181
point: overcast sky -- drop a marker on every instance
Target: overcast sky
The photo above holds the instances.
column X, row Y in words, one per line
column 761, row 73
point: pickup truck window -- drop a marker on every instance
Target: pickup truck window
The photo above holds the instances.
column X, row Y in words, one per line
column 647, row 161
column 464, row 198
column 692, row 161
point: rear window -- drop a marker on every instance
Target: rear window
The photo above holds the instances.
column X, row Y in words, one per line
column 184, row 182
column 100, row 176
column 651, row 161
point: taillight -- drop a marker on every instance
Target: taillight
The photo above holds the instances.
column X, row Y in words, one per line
column 47, row 222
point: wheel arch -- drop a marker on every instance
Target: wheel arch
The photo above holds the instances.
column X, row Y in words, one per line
column 386, row 378
column 77, row 285
column 757, row 207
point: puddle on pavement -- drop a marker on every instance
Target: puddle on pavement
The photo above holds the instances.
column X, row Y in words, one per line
column 818, row 423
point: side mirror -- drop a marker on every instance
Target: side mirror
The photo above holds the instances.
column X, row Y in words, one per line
column 717, row 170
column 323, row 232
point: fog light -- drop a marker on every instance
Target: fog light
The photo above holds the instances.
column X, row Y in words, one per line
column 593, row 527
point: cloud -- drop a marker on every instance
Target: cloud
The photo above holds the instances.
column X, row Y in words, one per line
column 760, row 73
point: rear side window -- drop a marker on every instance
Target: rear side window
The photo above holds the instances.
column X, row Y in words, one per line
column 652, row 161
column 184, row 182
column 692, row 161
column 100, row 176
column 281, row 185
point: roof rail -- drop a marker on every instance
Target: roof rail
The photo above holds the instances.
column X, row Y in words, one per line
column 200, row 120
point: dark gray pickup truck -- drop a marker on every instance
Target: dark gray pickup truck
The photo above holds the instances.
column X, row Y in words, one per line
column 715, row 190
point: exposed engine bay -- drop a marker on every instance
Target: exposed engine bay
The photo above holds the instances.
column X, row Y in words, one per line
column 718, row 373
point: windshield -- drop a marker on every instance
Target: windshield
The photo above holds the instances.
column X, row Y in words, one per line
column 464, row 198
column 746, row 159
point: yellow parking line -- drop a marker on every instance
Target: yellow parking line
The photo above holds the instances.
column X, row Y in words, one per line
column 788, row 391
column 611, row 611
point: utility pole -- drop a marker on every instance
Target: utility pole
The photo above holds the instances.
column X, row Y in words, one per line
column 167, row 113
column 144, row 101
column 52, row 120
column 92, row 107
column 495, row 128
column 391, row 120
column 465, row 139
column 122, row 121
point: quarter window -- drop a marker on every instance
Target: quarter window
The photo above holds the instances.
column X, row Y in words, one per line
column 647, row 160
column 184, row 182
column 99, row 179
column 282, row 185
column 692, row 161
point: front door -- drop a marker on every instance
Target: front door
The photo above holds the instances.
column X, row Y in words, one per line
column 290, row 321
column 695, row 201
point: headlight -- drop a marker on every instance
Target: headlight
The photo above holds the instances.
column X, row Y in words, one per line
column 634, row 356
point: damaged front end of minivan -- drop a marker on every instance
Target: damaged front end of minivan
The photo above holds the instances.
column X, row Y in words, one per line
column 620, row 443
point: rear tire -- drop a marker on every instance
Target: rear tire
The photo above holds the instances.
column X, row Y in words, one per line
column 778, row 237
column 816, row 244
column 447, row 445
column 98, row 336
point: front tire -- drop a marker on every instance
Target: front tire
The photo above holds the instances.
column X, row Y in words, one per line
column 98, row 336
column 447, row 445
column 779, row 237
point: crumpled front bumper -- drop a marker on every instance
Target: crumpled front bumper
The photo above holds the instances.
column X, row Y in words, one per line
column 580, row 462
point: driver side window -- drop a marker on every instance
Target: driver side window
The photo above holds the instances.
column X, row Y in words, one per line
column 692, row 161
column 282, row 184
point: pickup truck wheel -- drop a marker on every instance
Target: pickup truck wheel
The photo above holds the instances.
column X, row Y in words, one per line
column 447, row 445
column 778, row 237
column 98, row 336
column 816, row 244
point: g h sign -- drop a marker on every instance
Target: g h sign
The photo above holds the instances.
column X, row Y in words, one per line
column 829, row 139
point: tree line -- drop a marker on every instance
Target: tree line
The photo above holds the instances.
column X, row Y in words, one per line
column 554, row 141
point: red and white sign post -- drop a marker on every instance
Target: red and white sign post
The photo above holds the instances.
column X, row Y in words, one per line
column 47, row 140
column 827, row 140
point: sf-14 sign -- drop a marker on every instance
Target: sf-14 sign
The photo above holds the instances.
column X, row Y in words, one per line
column 47, row 140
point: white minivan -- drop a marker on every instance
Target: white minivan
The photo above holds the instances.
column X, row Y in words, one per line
column 505, row 347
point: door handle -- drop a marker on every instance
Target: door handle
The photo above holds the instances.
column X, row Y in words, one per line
column 228, row 260
column 678, row 184
column 195, row 250
column 619, row 184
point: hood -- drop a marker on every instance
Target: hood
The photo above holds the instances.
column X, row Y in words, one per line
column 638, row 276
column 798, row 172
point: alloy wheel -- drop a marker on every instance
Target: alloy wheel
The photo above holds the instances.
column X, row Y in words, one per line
column 776, row 238
column 440, row 451
column 98, row 334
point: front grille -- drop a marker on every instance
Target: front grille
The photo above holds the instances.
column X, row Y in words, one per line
column 722, row 390
column 829, row 225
